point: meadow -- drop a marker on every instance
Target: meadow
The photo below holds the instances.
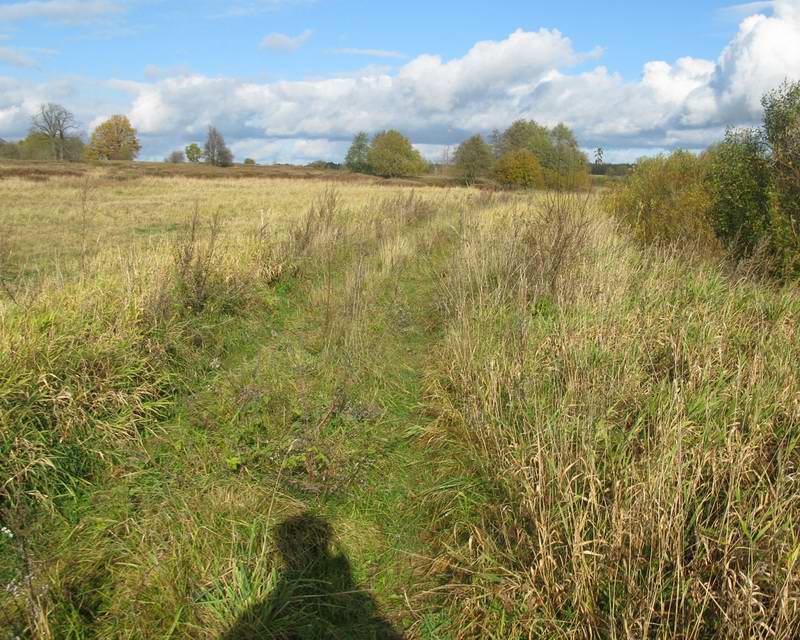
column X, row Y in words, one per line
column 306, row 407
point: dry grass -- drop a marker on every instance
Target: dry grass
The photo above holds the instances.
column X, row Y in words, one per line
column 628, row 437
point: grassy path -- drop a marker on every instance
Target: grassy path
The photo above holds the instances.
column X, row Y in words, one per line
column 292, row 424
column 329, row 391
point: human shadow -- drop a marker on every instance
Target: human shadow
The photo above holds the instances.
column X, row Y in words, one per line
column 316, row 597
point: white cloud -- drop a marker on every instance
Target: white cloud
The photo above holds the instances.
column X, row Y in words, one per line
column 16, row 58
column 737, row 12
column 371, row 53
column 64, row 11
column 687, row 102
column 285, row 43
column 156, row 72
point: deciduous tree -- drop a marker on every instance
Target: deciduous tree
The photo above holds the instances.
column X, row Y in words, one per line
column 115, row 139
column 357, row 158
column 55, row 122
column 473, row 159
column 391, row 155
column 194, row 153
column 216, row 152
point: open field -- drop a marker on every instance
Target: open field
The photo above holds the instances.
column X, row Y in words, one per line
column 298, row 408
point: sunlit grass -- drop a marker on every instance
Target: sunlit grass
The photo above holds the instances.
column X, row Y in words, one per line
column 514, row 422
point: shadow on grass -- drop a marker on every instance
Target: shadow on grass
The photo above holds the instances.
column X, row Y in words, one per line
column 316, row 597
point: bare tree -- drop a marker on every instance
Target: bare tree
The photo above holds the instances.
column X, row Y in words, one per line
column 55, row 122
column 176, row 157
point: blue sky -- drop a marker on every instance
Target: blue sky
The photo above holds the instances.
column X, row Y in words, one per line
column 292, row 80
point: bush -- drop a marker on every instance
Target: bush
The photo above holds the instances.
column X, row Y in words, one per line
column 249, row 161
column 519, row 169
column 577, row 179
column 391, row 155
column 324, row 165
column 665, row 199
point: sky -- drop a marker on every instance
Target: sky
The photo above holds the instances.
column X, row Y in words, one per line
column 294, row 80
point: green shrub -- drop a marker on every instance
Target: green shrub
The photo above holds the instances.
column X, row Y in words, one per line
column 738, row 179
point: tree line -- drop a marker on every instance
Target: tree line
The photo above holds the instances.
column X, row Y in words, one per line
column 527, row 155
column 54, row 135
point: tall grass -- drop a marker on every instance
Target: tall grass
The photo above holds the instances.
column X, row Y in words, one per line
column 627, row 438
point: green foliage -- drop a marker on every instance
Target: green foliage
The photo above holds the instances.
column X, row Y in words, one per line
column 745, row 190
column 665, row 199
column 473, row 159
column 782, row 132
column 556, row 149
column 738, row 179
column 8, row 150
column 38, row 146
column 249, row 161
column 526, row 134
column 391, row 155
column 73, row 149
column 566, row 157
column 357, row 158
column 115, row 139
column 194, row 153
column 519, row 168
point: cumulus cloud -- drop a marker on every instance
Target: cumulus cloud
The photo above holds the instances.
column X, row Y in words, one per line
column 285, row 43
column 530, row 74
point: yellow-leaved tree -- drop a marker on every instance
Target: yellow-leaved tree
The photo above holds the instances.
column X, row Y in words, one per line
column 115, row 139
column 519, row 168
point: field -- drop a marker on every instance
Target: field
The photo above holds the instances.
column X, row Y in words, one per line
column 301, row 406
